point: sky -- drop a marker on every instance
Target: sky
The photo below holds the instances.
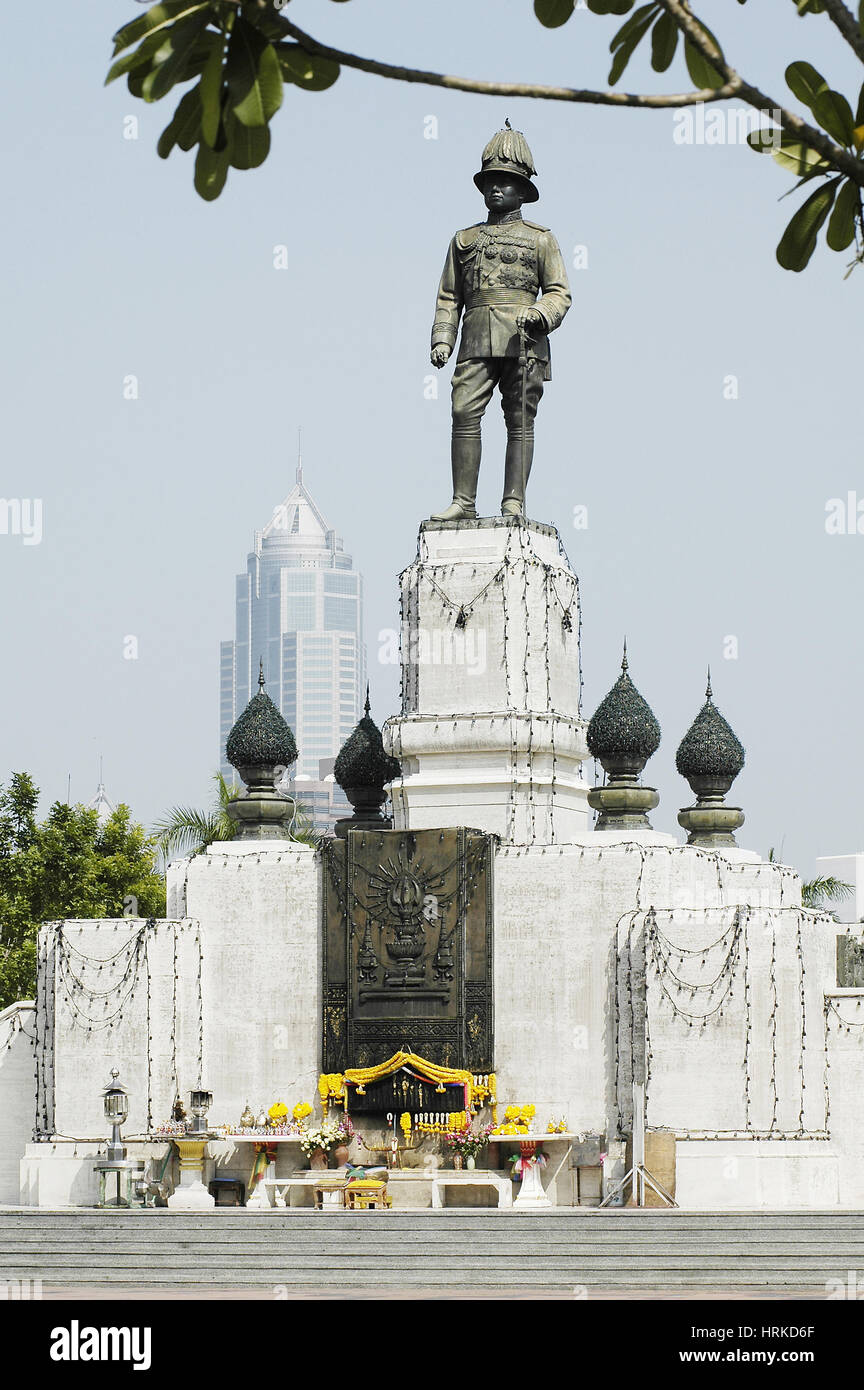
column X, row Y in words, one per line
column 706, row 496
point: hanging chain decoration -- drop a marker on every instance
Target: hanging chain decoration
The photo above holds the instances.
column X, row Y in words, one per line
column 463, row 611
column 848, row 1025
column 661, row 952
column 803, row 1003
column 772, row 1025
column 16, row 1026
column 200, row 1005
column 696, row 1000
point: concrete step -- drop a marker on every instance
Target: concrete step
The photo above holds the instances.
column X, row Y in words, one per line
column 446, row 1250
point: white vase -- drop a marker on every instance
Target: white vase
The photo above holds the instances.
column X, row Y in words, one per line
column 471, row 1163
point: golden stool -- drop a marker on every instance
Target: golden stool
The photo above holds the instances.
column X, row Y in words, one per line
column 367, row 1195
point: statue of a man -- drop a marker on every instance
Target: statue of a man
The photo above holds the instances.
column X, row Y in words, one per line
column 494, row 272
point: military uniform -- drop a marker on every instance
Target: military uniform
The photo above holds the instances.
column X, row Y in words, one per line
column 493, row 272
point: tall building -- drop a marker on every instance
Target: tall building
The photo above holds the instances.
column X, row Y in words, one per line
column 299, row 609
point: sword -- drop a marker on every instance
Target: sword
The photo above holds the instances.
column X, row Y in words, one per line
column 523, row 363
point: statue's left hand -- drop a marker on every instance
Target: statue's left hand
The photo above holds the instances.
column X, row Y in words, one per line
column 528, row 319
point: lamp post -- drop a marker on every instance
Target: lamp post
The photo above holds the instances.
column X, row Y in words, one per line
column 199, row 1104
column 115, row 1101
column 127, row 1172
column 191, row 1194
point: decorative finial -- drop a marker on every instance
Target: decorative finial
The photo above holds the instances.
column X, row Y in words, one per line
column 114, row 1073
column 366, row 707
column 507, row 123
column 710, row 756
column 623, row 734
column 299, row 456
column 363, row 770
column 261, row 681
column 709, row 692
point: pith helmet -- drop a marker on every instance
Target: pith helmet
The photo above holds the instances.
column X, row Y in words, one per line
column 508, row 153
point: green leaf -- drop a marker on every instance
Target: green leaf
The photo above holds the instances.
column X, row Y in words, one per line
column 859, row 110
column 801, row 160
column 140, row 57
column 664, row 42
column 805, row 82
column 253, row 75
column 553, row 13
column 834, row 114
column 157, row 17
column 798, row 242
column 702, row 71
column 610, row 6
column 841, row 227
column 178, row 48
column 789, row 153
column 248, row 146
column 637, row 26
column 211, row 171
column 634, row 22
column 211, row 94
column 307, row 70
column 184, row 127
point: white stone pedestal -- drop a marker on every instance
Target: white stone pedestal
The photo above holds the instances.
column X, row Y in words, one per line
column 191, row 1194
column 531, row 1192
column 490, row 734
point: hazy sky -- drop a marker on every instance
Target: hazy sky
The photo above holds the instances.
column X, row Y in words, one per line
column 706, row 514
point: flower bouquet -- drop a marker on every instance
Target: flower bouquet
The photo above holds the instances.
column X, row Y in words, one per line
column 466, row 1142
column 317, row 1142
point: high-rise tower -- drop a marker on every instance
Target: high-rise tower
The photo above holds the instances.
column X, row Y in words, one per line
column 299, row 609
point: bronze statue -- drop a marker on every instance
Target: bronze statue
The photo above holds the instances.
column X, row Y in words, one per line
column 494, row 272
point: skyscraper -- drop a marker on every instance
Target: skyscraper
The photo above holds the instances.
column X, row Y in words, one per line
column 299, row 609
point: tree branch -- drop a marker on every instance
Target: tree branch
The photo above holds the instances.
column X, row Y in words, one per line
column 734, row 86
column 844, row 162
column 845, row 21
column 493, row 89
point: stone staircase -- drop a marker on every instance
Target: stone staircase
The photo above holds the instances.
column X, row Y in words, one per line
column 562, row 1253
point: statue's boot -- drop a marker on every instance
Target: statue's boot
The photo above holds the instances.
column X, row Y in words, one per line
column 513, row 501
column 465, row 462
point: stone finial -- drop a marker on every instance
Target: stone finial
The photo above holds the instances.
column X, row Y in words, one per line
column 623, row 734
column 363, row 770
column 260, row 746
column 710, row 756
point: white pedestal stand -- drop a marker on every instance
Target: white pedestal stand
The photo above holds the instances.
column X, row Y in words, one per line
column 191, row 1195
column 531, row 1193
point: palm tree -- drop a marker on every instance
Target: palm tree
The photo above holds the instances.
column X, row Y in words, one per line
column 819, row 891
column 827, row 889
column 187, row 830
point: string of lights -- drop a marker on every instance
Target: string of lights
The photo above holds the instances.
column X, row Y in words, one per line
column 687, row 976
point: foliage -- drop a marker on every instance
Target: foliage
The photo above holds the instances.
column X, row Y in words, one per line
column 818, row 891
column 65, row 866
column 240, row 54
column 239, row 64
column 188, row 830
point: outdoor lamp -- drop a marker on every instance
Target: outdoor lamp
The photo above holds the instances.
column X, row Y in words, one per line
column 116, row 1104
column 199, row 1104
